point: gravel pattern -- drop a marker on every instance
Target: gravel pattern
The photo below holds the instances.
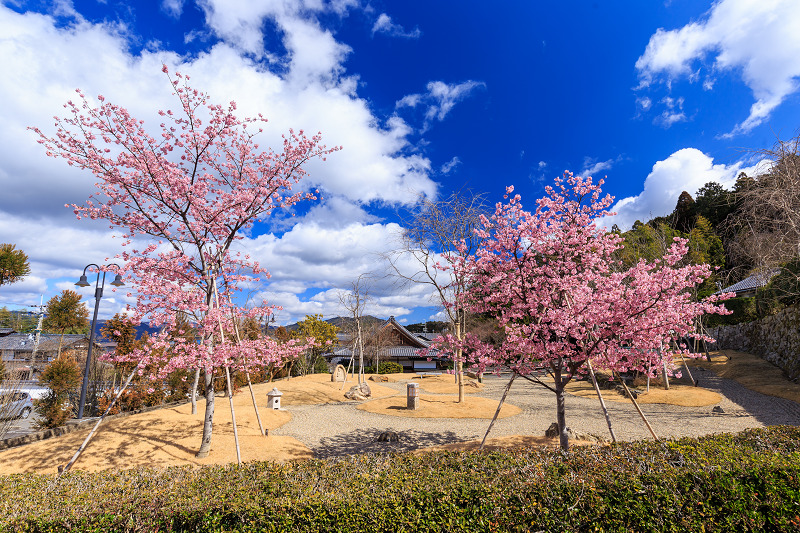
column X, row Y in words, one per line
column 340, row 429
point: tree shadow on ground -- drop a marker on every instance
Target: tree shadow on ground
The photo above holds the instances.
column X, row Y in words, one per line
column 365, row 440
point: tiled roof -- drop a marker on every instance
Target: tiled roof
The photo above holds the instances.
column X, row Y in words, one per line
column 756, row 281
column 23, row 342
column 403, row 331
column 406, row 352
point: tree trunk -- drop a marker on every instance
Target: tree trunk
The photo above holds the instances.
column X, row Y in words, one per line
column 459, row 364
column 194, row 390
column 360, row 355
column 205, row 446
column 561, row 412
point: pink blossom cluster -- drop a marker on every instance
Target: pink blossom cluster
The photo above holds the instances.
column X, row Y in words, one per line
column 193, row 190
column 551, row 280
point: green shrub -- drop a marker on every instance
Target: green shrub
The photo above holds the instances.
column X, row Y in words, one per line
column 743, row 308
column 62, row 377
column 744, row 482
column 389, row 367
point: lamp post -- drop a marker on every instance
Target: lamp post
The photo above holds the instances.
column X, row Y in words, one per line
column 98, row 293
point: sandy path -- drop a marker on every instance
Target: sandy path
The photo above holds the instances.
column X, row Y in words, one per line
column 318, row 421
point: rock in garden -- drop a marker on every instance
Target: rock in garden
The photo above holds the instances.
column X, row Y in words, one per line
column 552, row 431
column 379, row 378
column 358, row 392
column 388, row 436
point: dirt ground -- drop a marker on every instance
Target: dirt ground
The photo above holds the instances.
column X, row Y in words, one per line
column 679, row 393
column 442, row 402
column 752, row 372
column 171, row 436
column 440, row 406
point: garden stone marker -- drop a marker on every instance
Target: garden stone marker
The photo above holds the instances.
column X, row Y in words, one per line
column 412, row 396
column 339, row 374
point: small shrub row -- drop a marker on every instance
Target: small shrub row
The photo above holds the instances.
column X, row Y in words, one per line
column 743, row 482
column 385, row 367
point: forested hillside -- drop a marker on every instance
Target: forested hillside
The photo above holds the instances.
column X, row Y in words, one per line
column 753, row 227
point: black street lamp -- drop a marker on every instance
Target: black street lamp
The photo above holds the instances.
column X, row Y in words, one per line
column 98, row 293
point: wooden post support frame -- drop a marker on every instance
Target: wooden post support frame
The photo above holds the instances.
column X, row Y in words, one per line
column 499, row 406
column 228, row 378
column 636, row 405
column 64, row 469
column 602, row 403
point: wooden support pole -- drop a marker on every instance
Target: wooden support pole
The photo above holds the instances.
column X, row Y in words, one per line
column 602, row 403
column 705, row 344
column 194, row 389
column 249, row 384
column 694, row 383
column 63, row 469
column 636, row 405
column 228, row 376
column 499, row 406
column 664, row 375
column 233, row 415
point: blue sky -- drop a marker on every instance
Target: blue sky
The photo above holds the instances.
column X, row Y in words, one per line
column 425, row 98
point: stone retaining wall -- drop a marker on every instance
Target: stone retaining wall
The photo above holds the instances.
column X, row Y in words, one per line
column 775, row 338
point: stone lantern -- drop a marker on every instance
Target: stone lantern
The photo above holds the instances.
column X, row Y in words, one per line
column 274, row 398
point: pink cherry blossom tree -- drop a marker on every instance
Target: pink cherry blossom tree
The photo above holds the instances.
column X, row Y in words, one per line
column 550, row 279
column 192, row 190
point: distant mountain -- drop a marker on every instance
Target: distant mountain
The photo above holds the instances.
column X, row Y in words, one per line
column 343, row 322
column 140, row 329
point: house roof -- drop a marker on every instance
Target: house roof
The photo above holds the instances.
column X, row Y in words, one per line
column 6, row 331
column 405, row 352
column 23, row 342
column 413, row 339
column 755, row 281
column 414, row 347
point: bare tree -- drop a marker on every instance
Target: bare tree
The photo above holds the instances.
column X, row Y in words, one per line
column 766, row 223
column 354, row 302
column 10, row 385
column 431, row 234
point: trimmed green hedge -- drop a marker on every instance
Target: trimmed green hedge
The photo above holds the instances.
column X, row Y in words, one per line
column 744, row 482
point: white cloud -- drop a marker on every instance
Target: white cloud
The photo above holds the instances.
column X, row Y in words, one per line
column 448, row 167
column 385, row 25
column 673, row 112
column 645, row 103
column 440, row 99
column 685, row 170
column 45, row 61
column 755, row 39
column 591, row 167
column 173, row 8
